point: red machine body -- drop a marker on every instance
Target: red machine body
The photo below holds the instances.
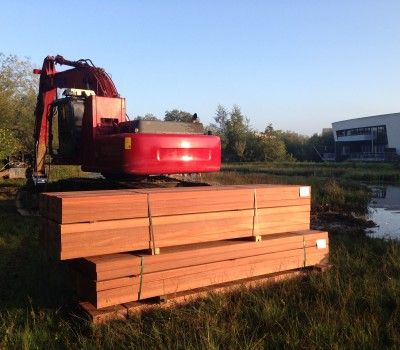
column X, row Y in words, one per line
column 90, row 129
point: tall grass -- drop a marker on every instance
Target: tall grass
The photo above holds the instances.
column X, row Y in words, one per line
column 56, row 172
column 374, row 172
column 354, row 305
column 338, row 195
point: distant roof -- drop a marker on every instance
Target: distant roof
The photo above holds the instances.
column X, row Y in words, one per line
column 380, row 116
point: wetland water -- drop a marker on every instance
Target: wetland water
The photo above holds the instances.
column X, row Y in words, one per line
column 385, row 212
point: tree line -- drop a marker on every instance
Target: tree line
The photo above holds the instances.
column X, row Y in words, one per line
column 18, row 94
column 239, row 141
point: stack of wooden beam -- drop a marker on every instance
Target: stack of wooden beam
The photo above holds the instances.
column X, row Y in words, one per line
column 129, row 245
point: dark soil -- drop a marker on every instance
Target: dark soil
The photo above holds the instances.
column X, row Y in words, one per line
column 323, row 217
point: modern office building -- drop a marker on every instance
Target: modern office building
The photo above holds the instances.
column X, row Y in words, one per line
column 375, row 138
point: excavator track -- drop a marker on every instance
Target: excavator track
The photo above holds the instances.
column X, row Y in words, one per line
column 27, row 198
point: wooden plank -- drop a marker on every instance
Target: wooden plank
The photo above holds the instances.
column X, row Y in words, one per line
column 280, row 265
column 87, row 243
column 192, row 224
column 217, row 251
column 95, row 207
column 89, row 205
column 88, row 239
column 233, row 198
column 114, row 291
column 123, row 264
column 108, row 242
column 97, row 316
column 247, row 262
column 84, row 288
column 191, row 295
column 107, row 205
column 323, row 266
column 180, row 283
column 175, row 230
column 181, row 259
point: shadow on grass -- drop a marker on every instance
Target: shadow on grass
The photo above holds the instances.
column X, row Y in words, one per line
column 28, row 277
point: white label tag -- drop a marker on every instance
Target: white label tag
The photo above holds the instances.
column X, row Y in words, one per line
column 321, row 243
column 305, row 191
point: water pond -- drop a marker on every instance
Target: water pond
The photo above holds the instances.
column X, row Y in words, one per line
column 385, row 212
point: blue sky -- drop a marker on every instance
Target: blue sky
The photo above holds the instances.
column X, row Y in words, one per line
column 299, row 65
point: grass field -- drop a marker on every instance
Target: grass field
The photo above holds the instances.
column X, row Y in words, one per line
column 354, row 305
column 375, row 172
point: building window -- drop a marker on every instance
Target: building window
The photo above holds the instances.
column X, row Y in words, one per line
column 378, row 132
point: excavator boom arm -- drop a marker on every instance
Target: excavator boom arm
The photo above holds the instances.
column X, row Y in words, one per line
column 83, row 75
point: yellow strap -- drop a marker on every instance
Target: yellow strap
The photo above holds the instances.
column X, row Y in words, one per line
column 152, row 240
column 255, row 215
column 141, row 277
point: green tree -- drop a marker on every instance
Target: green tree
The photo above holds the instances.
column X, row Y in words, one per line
column 305, row 148
column 321, row 144
column 233, row 129
column 220, row 127
column 18, row 93
column 147, row 116
column 177, row 115
column 8, row 143
column 273, row 147
column 296, row 145
column 237, row 129
column 254, row 147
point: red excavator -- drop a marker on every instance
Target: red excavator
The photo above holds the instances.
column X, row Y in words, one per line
column 88, row 126
column 80, row 119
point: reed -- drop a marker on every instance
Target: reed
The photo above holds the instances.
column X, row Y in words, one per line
column 344, row 196
column 376, row 172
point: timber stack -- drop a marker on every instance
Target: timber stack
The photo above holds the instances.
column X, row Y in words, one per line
column 128, row 245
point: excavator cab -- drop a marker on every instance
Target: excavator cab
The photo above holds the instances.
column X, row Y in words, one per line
column 65, row 124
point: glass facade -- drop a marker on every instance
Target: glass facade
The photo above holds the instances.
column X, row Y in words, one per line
column 362, row 143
